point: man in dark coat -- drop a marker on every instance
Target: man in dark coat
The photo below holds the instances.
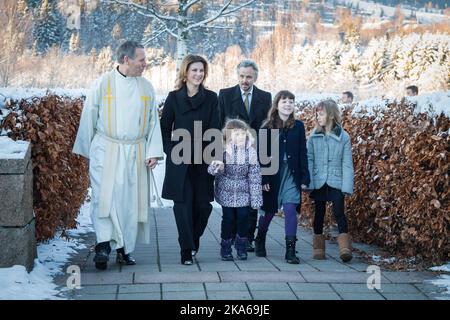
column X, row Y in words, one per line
column 250, row 104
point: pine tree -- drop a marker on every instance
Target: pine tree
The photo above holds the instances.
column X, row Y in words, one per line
column 47, row 32
column 352, row 37
column 374, row 62
column 95, row 23
column 33, row 4
column 133, row 24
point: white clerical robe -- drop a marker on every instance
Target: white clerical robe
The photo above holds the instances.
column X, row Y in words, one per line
column 119, row 130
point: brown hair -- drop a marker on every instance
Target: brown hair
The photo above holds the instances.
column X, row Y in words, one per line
column 236, row 124
column 273, row 120
column 185, row 64
column 333, row 115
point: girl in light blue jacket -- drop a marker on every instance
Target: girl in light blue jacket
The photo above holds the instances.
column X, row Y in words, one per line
column 331, row 168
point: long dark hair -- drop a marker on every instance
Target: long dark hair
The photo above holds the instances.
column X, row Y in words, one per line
column 273, row 120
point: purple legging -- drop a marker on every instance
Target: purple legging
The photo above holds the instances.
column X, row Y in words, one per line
column 290, row 220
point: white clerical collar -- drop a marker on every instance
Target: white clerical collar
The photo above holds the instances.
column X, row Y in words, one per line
column 250, row 92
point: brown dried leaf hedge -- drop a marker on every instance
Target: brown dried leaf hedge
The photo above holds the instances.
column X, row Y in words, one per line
column 60, row 178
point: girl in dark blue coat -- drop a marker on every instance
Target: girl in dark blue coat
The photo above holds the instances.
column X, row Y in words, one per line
column 283, row 188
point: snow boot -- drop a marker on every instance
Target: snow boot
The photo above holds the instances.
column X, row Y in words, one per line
column 225, row 250
column 290, row 250
column 318, row 247
column 345, row 249
column 241, row 247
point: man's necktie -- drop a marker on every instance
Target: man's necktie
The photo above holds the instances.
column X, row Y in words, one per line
column 246, row 102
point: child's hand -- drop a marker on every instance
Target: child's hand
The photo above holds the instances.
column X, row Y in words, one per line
column 266, row 187
column 218, row 165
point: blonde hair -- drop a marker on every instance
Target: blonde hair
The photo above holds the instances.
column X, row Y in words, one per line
column 185, row 64
column 333, row 115
column 236, row 124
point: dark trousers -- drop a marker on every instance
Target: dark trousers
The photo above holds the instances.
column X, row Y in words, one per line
column 252, row 219
column 234, row 219
column 251, row 225
column 192, row 214
column 338, row 212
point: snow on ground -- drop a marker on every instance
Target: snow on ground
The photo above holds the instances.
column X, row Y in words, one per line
column 10, row 149
column 17, row 284
column 15, row 93
column 444, row 268
column 376, row 9
column 432, row 103
column 443, row 281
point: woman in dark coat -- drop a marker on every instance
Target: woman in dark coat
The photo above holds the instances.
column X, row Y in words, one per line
column 283, row 189
column 186, row 181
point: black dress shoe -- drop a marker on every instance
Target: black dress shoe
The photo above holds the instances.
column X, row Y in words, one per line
column 197, row 246
column 186, row 257
column 101, row 258
column 123, row 258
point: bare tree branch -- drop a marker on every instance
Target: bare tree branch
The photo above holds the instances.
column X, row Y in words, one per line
column 221, row 13
column 160, row 32
column 150, row 9
column 169, row 30
column 216, row 27
column 214, row 17
column 179, row 25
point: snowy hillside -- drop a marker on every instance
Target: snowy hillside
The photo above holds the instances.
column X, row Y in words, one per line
column 377, row 10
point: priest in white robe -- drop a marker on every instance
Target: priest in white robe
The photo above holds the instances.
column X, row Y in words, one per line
column 120, row 135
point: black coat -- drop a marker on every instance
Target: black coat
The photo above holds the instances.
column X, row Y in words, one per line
column 293, row 142
column 231, row 106
column 179, row 112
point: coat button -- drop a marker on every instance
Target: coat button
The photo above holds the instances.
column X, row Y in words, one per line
column 284, row 140
column 289, row 156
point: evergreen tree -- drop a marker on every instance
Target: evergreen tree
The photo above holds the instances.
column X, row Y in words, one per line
column 33, row 4
column 374, row 61
column 133, row 24
column 95, row 24
column 48, row 26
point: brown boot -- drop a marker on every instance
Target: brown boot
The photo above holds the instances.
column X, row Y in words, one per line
column 345, row 248
column 319, row 247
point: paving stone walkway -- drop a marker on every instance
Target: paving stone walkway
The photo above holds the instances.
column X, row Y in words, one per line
column 160, row 275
